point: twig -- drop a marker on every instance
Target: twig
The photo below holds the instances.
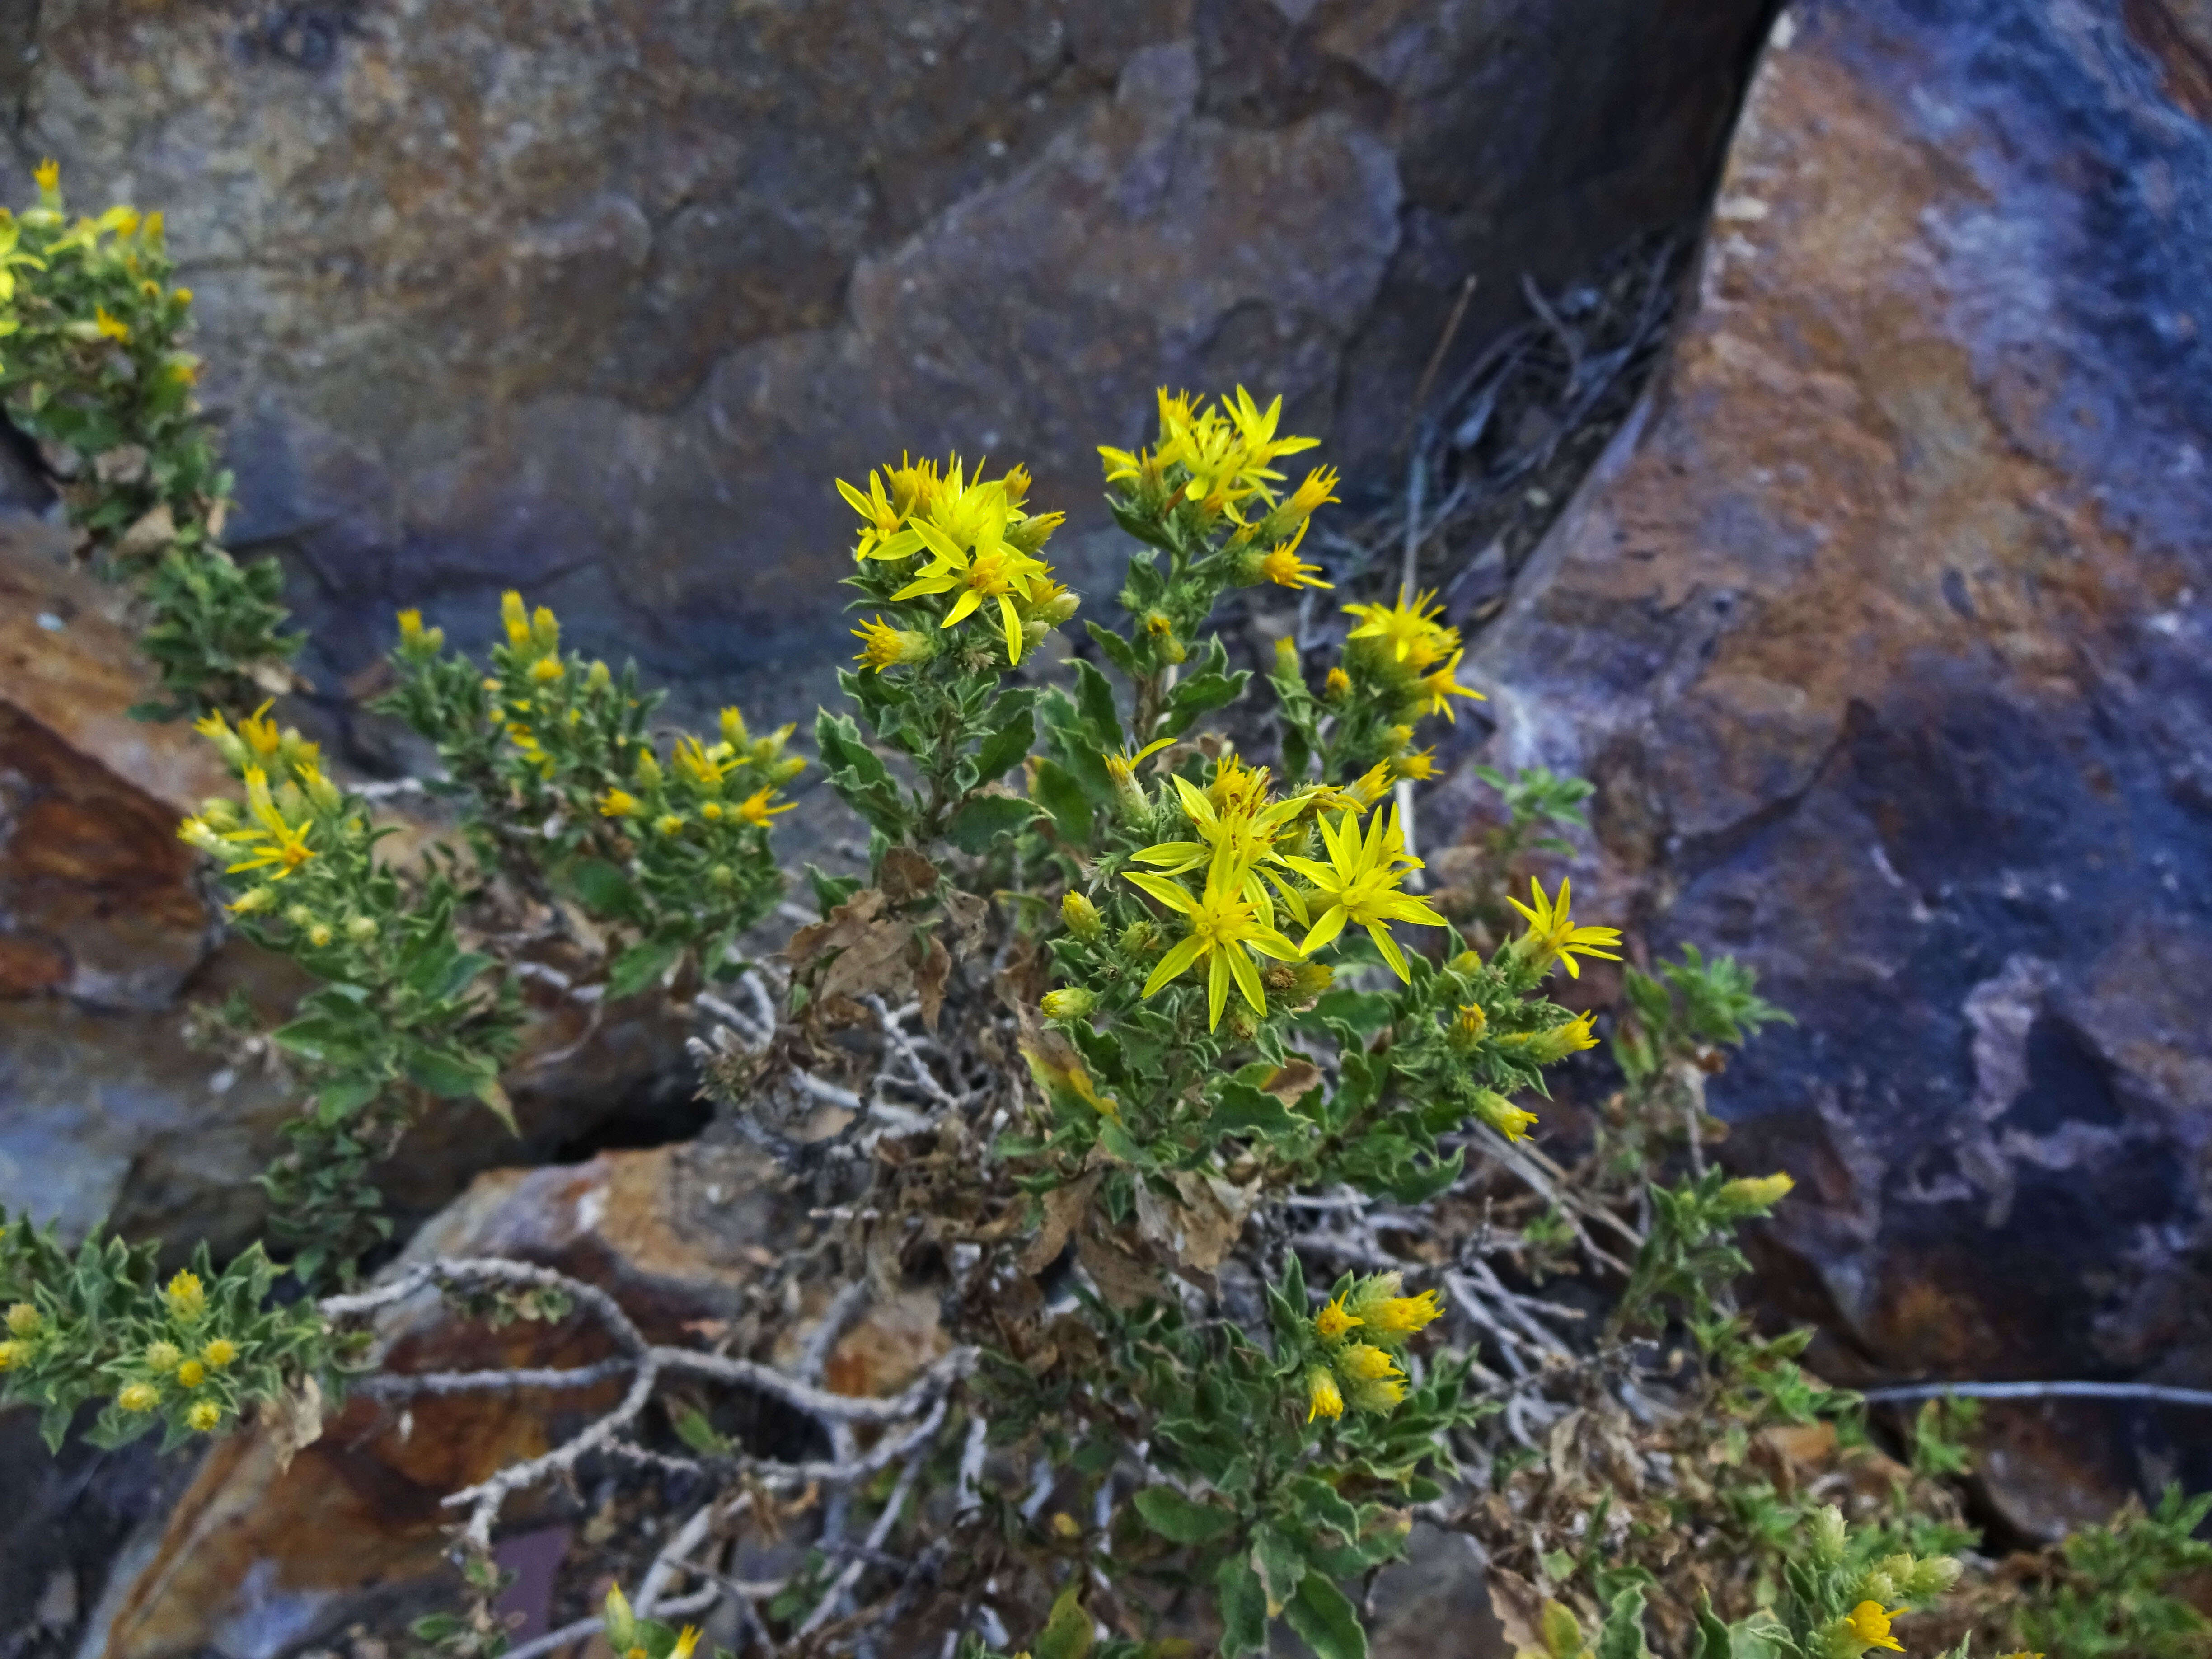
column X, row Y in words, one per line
column 843, row 1585
column 2155, row 1393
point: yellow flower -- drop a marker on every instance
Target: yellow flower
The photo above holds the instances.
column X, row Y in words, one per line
column 108, row 325
column 705, row 767
column 1503, row 1116
column 755, row 808
column 1869, row 1623
column 1121, row 773
column 992, row 568
column 668, row 823
column 618, row 804
column 1376, row 1384
column 1316, row 492
column 1558, row 1042
column 48, row 172
column 261, row 733
column 198, row 832
column 1224, row 930
column 880, row 536
column 1333, row 1322
column 319, row 935
column 276, row 846
column 1080, row 914
column 1070, row 1002
column 203, row 1416
column 1360, row 884
column 1234, row 836
column 885, row 647
column 515, row 617
column 1373, row 785
column 1469, row 1025
column 1336, row 685
column 1389, row 1315
column 1366, row 1362
column 712, row 811
column 12, row 1351
column 24, row 1320
column 1283, row 567
column 546, row 669
column 138, row 1397
column 1552, row 930
column 1419, row 766
column 686, row 1640
column 1407, row 632
column 191, row 1374
column 1754, row 1194
column 1438, row 690
column 1323, row 1397
column 622, row 1623
column 219, row 1353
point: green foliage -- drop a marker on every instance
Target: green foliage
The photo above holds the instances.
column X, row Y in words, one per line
column 189, row 1356
column 2113, row 1592
column 564, row 793
column 95, row 371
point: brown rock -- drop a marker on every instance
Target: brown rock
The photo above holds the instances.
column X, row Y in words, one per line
column 1882, row 630
column 489, row 296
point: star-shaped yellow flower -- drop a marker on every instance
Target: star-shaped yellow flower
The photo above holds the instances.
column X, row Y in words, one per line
column 1552, row 930
column 1360, row 884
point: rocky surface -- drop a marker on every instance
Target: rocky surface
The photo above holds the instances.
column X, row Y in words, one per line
column 596, row 302
column 1883, row 630
column 255, row 1560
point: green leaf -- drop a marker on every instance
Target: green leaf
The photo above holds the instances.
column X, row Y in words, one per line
column 1005, row 747
column 1319, row 1505
column 603, row 889
column 343, row 1097
column 1119, row 652
column 1711, row 1640
column 1325, row 1618
column 1176, row 1518
column 1201, row 693
column 1053, row 789
column 984, row 818
column 444, row 1073
column 320, row 1037
column 1622, row 1638
column 455, row 977
column 1066, row 1633
column 1094, row 698
column 1244, row 1606
column 1242, row 1109
column 1280, row 1563
column 640, row 966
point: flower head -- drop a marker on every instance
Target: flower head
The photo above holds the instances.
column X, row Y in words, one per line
column 885, row 647
column 1438, row 688
column 1552, row 930
column 1080, row 914
column 1224, row 930
column 24, row 1320
column 1323, row 1397
column 276, row 846
column 191, row 1374
column 1333, row 1321
column 48, row 174
column 1390, row 1315
column 1406, row 632
column 1868, row 1623
column 186, row 1296
column 1502, row 1114
column 1282, row 566
column 219, row 1353
column 1070, row 1002
column 138, row 1397
column 755, row 808
column 1360, row 884
column 686, row 1640
column 618, row 804
column 203, row 1416
column 12, row 1353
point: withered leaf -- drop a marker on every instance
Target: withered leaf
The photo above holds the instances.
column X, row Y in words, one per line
column 295, row 1419
column 967, row 913
column 1120, row 1278
column 1291, row 1083
column 1064, row 1208
column 1203, row 1227
column 839, row 929
column 153, row 530
column 929, row 980
column 906, row 875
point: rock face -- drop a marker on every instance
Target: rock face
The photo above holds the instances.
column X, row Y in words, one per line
column 597, row 303
column 253, row 1561
column 1883, row 632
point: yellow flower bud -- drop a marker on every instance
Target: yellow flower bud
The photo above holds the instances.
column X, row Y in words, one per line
column 1755, row 1195
column 1081, row 915
column 1337, row 686
column 138, row 1397
column 203, row 1416
column 162, row 1357
column 319, row 935
column 12, row 1353
column 1502, row 1114
column 516, row 619
column 1323, row 1397
column 219, row 1353
column 361, row 929
column 256, row 899
column 668, row 823
column 546, row 669
column 1072, row 1002
column 24, row 1320
column 191, row 1374
column 598, row 679
column 1468, row 1027
column 1333, row 1320
column 186, row 1296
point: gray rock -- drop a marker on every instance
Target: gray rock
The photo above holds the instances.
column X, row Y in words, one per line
column 598, row 303
column 1882, row 630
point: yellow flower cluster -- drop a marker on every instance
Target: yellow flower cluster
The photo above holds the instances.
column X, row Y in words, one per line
column 709, row 787
column 274, row 835
column 1224, row 454
column 165, row 1365
column 1365, row 1369
column 977, row 546
column 1411, row 652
